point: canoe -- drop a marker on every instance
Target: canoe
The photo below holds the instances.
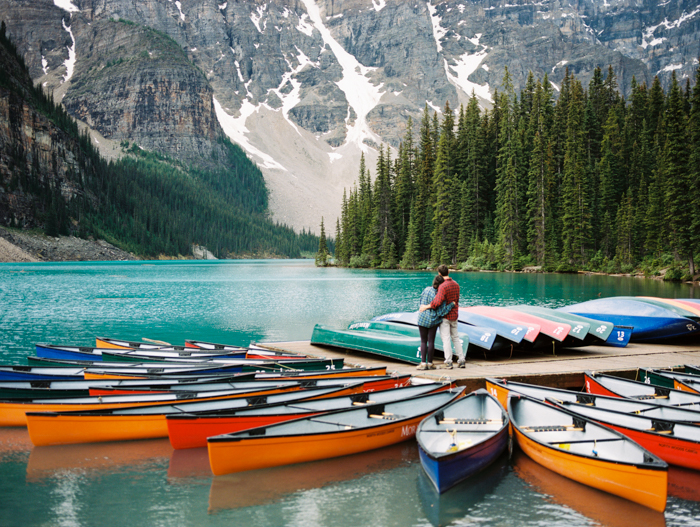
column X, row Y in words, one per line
column 650, row 321
column 675, row 443
column 685, row 309
column 369, row 384
column 189, row 430
column 602, row 508
column 509, row 331
column 480, row 336
column 664, row 378
column 200, row 344
column 460, row 502
column 501, row 389
column 80, row 387
column 252, row 351
column 330, row 435
column 20, row 372
column 107, row 342
column 245, row 365
column 60, row 427
column 601, row 384
column 530, row 331
column 554, row 330
column 136, row 368
column 579, row 329
column 589, row 453
column 388, row 344
column 462, row 438
column 84, row 353
column 13, row 413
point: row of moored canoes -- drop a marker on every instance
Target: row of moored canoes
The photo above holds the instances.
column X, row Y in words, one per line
column 613, row 321
column 617, row 436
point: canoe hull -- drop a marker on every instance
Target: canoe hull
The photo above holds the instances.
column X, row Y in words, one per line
column 446, row 472
column 251, row 454
column 193, row 433
column 60, row 429
column 646, row 487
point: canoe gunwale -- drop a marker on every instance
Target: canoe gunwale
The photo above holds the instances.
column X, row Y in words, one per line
column 226, row 438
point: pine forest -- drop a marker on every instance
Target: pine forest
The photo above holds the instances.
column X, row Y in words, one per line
column 562, row 178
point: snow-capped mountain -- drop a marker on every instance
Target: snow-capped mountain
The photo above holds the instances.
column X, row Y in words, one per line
column 307, row 86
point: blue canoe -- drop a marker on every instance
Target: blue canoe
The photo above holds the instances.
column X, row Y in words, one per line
column 462, row 438
column 650, row 322
column 483, row 337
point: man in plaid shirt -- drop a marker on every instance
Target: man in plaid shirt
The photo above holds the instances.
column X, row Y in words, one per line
column 448, row 292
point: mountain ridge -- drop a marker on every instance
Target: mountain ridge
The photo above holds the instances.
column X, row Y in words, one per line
column 307, row 87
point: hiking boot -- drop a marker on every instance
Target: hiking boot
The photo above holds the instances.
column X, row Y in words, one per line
column 431, row 366
column 422, row 366
column 448, row 365
column 461, row 364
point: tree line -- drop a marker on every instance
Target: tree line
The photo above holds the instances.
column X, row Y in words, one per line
column 585, row 180
column 144, row 202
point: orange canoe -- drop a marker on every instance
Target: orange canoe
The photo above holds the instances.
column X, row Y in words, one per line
column 584, row 451
column 192, row 430
column 329, row 435
column 145, row 422
column 13, row 413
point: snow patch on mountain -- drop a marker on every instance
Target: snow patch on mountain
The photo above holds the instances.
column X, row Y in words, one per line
column 236, row 130
column 361, row 94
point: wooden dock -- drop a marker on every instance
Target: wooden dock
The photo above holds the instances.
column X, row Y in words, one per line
column 563, row 369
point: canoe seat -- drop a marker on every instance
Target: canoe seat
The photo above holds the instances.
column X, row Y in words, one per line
column 552, row 428
column 453, row 421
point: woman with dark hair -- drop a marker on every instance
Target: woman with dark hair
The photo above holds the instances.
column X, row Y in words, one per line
column 428, row 322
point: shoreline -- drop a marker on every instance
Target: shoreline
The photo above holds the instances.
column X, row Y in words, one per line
column 21, row 247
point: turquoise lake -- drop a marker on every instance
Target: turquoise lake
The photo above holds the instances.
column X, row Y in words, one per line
column 243, row 301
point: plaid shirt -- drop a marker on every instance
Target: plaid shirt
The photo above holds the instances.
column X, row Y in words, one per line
column 447, row 292
column 431, row 317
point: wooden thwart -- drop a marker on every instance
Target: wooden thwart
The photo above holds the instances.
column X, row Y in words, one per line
column 552, row 428
column 455, row 421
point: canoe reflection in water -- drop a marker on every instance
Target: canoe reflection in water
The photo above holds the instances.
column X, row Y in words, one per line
column 263, row 486
column 684, row 483
column 455, row 503
column 14, row 441
column 47, row 461
column 602, row 507
column 189, row 463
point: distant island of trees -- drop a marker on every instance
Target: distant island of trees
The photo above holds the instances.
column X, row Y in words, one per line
column 583, row 181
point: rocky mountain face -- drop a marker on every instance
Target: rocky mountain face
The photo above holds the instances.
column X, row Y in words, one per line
column 306, row 86
column 36, row 156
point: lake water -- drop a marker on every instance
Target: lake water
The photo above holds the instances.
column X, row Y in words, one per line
column 238, row 302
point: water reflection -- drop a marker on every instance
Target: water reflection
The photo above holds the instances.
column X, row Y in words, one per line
column 604, row 508
column 189, row 463
column 457, row 502
column 97, row 458
column 260, row 487
column 684, row 483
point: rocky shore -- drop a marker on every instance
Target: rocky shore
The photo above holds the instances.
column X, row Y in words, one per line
column 16, row 246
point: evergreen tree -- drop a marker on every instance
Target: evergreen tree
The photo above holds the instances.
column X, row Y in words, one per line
column 322, row 254
column 508, row 206
column 575, row 191
column 678, row 208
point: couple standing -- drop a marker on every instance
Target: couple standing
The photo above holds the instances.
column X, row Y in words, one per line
column 438, row 301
